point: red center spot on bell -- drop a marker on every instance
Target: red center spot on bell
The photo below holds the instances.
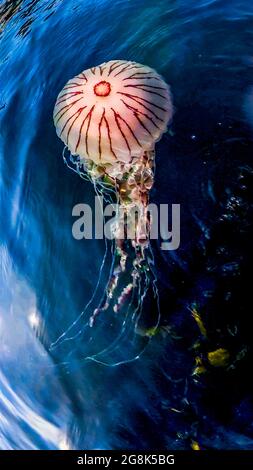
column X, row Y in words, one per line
column 102, row 88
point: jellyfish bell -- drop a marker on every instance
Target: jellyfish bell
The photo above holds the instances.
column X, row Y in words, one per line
column 113, row 112
column 110, row 117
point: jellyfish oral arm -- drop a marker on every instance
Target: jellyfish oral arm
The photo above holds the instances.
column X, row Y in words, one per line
column 132, row 228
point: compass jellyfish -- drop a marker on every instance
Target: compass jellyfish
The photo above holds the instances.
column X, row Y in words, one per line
column 109, row 118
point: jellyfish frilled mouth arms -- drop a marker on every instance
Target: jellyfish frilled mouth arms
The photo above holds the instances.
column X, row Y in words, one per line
column 111, row 116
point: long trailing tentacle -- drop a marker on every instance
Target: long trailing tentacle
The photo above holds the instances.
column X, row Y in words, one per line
column 76, row 166
column 131, row 274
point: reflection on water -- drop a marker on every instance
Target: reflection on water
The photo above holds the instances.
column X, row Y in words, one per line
column 58, row 399
column 33, row 403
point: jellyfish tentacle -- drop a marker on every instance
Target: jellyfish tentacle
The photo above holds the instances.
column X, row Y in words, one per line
column 118, row 268
column 126, row 320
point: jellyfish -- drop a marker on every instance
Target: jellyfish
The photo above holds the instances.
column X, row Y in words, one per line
column 109, row 118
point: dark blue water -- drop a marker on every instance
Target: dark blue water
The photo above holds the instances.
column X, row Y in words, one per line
column 61, row 399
